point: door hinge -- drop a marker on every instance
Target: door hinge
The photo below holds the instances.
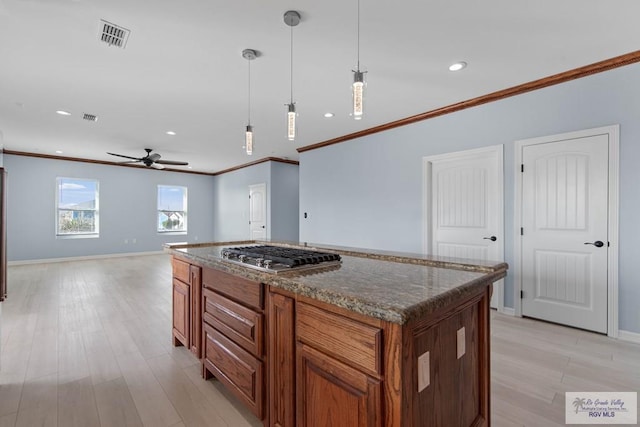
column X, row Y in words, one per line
column 521, row 294
column 522, row 231
column 522, row 167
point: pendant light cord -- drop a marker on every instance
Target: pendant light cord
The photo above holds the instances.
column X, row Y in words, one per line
column 291, row 64
column 358, row 38
column 249, row 97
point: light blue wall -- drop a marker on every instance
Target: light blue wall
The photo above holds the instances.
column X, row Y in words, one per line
column 368, row 192
column 231, row 211
column 231, row 190
column 128, row 203
column 284, row 201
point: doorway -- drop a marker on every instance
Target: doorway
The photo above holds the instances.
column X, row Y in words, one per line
column 463, row 212
column 258, row 211
column 567, row 232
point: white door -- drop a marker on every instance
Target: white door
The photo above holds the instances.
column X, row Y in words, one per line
column 466, row 207
column 258, row 211
column 564, row 240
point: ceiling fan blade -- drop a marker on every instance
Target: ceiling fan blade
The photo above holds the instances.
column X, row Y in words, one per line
column 154, row 157
column 126, row 157
column 156, row 166
column 172, row 162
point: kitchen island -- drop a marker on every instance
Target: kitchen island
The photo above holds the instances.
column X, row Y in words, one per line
column 380, row 339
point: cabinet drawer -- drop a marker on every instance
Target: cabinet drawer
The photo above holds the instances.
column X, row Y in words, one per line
column 348, row 340
column 243, row 325
column 237, row 288
column 239, row 371
column 181, row 270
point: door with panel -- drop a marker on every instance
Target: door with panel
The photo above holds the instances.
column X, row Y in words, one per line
column 465, row 212
column 258, row 211
column 564, row 240
column 331, row 393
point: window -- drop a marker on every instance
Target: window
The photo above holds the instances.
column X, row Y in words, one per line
column 172, row 209
column 77, row 207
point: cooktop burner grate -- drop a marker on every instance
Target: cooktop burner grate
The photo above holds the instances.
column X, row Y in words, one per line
column 292, row 257
column 277, row 258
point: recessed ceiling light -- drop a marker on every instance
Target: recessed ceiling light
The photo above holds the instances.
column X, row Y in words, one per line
column 170, row 132
column 457, row 66
column 328, row 115
column 58, row 151
column 63, row 113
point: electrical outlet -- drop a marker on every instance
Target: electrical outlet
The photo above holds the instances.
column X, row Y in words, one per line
column 461, row 342
column 126, row 241
column 134, row 240
column 424, row 377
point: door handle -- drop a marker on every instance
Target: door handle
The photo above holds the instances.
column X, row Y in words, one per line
column 597, row 243
column 263, row 226
column 492, row 238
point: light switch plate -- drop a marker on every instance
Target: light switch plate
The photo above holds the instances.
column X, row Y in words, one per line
column 424, row 377
column 461, row 342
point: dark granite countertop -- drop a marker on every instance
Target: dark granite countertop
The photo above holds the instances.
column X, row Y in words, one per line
column 391, row 286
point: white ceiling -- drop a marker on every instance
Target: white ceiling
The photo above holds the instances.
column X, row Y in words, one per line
column 182, row 68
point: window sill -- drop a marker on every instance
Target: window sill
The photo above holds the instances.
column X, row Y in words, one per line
column 77, row 236
column 172, row 233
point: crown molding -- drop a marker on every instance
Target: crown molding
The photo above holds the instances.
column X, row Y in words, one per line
column 577, row 73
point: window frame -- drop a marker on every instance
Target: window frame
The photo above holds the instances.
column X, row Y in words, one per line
column 185, row 213
column 96, row 210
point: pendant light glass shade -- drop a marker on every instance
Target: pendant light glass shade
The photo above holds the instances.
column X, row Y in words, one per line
column 291, row 122
column 248, row 140
column 358, row 94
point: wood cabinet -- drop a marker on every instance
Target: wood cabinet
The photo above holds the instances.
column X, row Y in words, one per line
column 181, row 310
column 281, row 351
column 455, row 346
column 187, row 290
column 354, row 370
column 332, row 393
column 233, row 329
column 296, row 361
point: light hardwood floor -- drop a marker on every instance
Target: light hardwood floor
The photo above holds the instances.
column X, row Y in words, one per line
column 88, row 343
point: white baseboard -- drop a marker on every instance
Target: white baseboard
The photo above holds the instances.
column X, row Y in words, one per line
column 629, row 336
column 82, row 258
column 508, row 311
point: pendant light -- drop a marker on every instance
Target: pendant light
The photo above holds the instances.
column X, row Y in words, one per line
column 249, row 55
column 291, row 18
column 357, row 89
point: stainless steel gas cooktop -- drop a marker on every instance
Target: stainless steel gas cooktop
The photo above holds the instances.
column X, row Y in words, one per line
column 274, row 259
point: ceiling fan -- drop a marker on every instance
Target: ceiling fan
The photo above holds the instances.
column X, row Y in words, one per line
column 151, row 160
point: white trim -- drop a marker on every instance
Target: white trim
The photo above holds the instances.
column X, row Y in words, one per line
column 629, row 336
column 426, row 205
column 508, row 311
column 82, row 258
column 427, row 164
column 613, row 132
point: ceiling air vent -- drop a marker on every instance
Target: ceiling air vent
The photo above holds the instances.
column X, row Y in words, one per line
column 113, row 35
column 90, row 117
